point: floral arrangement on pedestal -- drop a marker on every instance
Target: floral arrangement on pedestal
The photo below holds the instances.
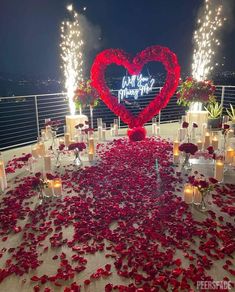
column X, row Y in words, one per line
column 86, row 95
column 192, row 90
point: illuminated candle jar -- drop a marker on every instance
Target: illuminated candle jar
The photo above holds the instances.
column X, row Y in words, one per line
column 207, row 140
column 219, row 170
column 91, row 156
column 43, row 134
column 176, row 157
column 233, row 162
column 66, row 139
column 47, row 162
column 188, row 193
column 199, row 145
column 176, row 144
column 197, row 196
column 57, row 186
column 3, row 172
column 91, row 145
column 48, row 131
column 41, row 149
column 229, row 155
column 49, row 188
column 61, row 141
column 215, row 143
column 34, row 151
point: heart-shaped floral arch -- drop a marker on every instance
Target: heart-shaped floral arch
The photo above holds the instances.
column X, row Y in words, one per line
column 134, row 67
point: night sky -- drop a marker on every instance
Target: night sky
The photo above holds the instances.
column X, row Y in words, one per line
column 30, row 31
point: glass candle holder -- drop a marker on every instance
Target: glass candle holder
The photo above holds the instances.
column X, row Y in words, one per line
column 57, row 187
column 99, row 122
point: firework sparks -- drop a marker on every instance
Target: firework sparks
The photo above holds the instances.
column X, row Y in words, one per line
column 205, row 39
column 71, row 54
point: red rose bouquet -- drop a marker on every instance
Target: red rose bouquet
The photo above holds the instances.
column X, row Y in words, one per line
column 188, row 148
column 77, row 146
column 86, row 95
column 192, row 90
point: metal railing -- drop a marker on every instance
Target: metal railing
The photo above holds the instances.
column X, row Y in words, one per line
column 22, row 117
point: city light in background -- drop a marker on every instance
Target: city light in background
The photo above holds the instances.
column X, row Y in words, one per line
column 206, row 39
column 72, row 56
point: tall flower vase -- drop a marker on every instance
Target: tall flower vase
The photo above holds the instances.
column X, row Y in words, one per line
column 203, row 205
column 77, row 159
column 41, row 196
column 186, row 165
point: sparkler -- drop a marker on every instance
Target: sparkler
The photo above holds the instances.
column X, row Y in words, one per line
column 71, row 54
column 205, row 39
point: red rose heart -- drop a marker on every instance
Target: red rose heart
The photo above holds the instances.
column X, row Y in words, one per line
column 134, row 67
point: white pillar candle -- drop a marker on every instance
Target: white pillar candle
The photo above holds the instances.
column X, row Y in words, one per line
column 66, row 139
column 204, row 128
column 193, row 133
column 188, row 193
column 41, row 149
column 199, row 144
column 61, row 141
column 2, row 188
column 43, row 134
column 219, row 170
column 157, row 130
column 3, row 174
column 48, row 131
column 57, row 186
column 115, row 128
column 103, row 134
column 207, row 140
column 100, row 133
column 47, row 162
column 91, row 145
column 215, row 143
column 182, row 133
column 153, row 129
column 197, row 196
column 34, row 152
column 229, row 155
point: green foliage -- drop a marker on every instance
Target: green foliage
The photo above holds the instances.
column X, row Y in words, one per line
column 214, row 110
column 231, row 113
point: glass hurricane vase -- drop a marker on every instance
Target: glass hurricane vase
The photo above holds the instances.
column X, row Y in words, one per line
column 203, row 205
column 186, row 165
column 77, row 159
